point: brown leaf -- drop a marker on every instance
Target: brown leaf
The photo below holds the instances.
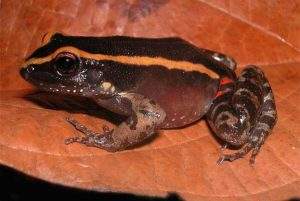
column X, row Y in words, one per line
column 264, row 33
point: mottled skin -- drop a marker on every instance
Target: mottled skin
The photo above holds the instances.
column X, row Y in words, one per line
column 157, row 83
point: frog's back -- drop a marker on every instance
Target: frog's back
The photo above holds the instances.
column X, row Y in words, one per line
column 172, row 48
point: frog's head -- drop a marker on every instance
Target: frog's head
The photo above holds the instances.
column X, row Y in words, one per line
column 62, row 66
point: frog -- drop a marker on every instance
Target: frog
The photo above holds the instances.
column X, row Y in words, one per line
column 156, row 83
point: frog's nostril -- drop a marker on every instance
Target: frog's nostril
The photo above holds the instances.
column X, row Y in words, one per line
column 24, row 73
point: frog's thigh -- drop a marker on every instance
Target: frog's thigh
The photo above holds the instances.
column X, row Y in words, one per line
column 244, row 114
column 145, row 118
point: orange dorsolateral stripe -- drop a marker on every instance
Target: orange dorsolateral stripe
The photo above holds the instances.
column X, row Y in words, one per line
column 133, row 60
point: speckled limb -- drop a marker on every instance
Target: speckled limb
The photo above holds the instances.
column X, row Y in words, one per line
column 244, row 113
column 145, row 118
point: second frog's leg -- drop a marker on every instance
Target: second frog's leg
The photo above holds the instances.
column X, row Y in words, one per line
column 243, row 113
column 144, row 120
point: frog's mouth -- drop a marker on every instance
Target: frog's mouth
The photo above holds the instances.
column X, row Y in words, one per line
column 36, row 77
column 45, row 81
column 24, row 73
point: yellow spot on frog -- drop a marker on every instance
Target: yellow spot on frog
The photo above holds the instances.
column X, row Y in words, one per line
column 106, row 86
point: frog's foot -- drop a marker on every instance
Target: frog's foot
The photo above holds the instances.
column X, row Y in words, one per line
column 254, row 147
column 239, row 154
column 146, row 117
column 90, row 137
column 244, row 113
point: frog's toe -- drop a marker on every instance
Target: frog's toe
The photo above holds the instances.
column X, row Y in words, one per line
column 221, row 159
column 80, row 127
column 254, row 153
column 94, row 140
column 229, row 157
column 71, row 140
column 252, row 159
column 238, row 154
column 81, row 140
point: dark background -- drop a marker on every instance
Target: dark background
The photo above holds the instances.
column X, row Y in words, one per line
column 16, row 186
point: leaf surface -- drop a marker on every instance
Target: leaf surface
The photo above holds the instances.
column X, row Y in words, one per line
column 264, row 33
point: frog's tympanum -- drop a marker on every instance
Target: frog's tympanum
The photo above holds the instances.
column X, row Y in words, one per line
column 157, row 83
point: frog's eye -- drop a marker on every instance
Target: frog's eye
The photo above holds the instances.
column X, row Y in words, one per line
column 66, row 63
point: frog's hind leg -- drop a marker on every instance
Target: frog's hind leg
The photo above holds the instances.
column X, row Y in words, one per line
column 144, row 120
column 265, row 120
column 244, row 113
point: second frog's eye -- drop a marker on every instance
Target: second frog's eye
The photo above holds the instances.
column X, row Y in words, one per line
column 66, row 63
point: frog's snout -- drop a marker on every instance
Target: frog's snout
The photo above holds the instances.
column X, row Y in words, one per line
column 24, row 73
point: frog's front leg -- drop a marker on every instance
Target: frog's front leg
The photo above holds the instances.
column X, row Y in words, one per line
column 243, row 113
column 142, row 123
